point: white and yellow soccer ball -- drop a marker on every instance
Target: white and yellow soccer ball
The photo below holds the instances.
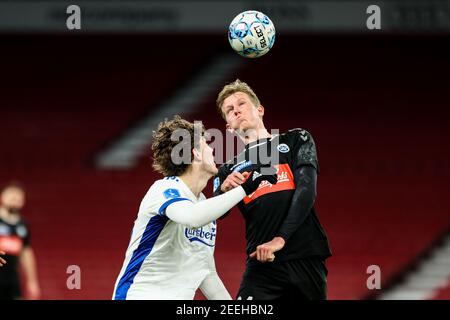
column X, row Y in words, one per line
column 251, row 34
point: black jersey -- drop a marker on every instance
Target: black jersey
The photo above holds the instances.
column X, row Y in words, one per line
column 13, row 238
column 265, row 210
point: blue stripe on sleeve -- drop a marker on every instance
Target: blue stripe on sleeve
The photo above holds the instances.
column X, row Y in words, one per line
column 169, row 202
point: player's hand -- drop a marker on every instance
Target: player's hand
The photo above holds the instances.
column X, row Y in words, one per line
column 2, row 261
column 265, row 252
column 234, row 180
column 257, row 176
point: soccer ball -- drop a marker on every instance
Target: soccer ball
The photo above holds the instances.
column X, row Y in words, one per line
column 251, row 34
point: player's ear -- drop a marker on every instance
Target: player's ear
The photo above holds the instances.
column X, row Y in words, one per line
column 229, row 129
column 196, row 154
column 260, row 110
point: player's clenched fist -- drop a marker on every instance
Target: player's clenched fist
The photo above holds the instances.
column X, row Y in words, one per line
column 265, row 252
column 234, row 180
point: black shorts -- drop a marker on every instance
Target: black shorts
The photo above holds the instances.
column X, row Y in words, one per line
column 10, row 291
column 302, row 279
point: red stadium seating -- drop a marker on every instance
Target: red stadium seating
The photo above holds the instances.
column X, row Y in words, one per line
column 375, row 107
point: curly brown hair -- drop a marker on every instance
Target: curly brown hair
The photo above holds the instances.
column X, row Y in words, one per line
column 172, row 133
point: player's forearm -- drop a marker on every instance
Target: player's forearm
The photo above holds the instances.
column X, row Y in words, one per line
column 28, row 262
column 213, row 288
column 198, row 214
column 302, row 201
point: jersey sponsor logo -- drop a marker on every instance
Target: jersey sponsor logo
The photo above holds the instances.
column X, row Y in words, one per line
column 207, row 237
column 12, row 245
column 285, row 181
column 283, row 148
column 216, row 184
column 171, row 193
column 238, row 167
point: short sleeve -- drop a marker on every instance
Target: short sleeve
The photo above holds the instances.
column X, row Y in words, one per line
column 163, row 194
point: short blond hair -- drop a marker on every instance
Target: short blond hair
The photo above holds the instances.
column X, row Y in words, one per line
column 232, row 88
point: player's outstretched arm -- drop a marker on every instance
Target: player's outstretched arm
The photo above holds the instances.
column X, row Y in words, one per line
column 198, row 214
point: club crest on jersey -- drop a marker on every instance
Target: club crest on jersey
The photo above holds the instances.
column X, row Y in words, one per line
column 283, row 148
column 171, row 193
column 207, row 237
column 216, row 184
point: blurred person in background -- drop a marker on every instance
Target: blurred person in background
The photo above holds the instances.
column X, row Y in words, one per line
column 15, row 243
